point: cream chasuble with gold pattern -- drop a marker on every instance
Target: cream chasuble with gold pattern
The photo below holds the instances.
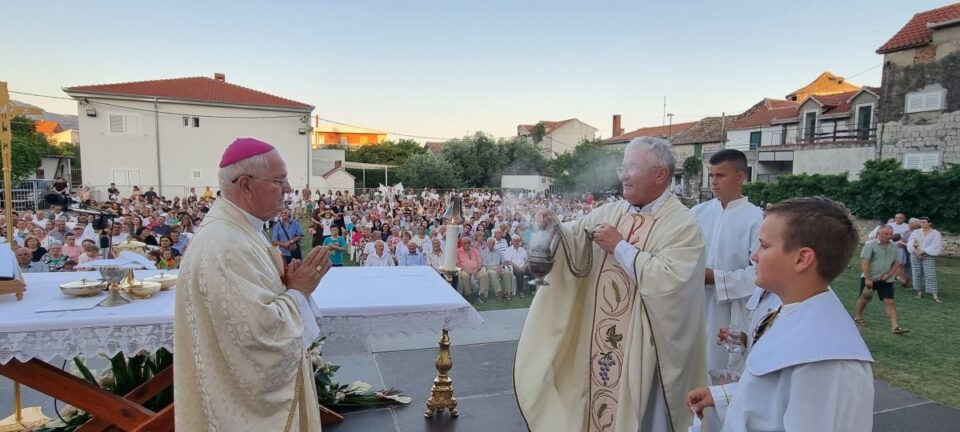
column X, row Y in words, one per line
column 240, row 363
column 593, row 348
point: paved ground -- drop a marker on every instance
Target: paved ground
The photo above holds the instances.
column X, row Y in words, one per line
column 483, row 383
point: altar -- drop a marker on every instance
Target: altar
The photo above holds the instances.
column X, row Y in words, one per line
column 355, row 302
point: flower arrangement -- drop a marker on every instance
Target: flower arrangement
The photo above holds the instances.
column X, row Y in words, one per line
column 345, row 396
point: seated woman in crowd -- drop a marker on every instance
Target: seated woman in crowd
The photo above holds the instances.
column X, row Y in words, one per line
column 54, row 259
column 71, row 249
column 145, row 235
column 90, row 253
column 32, row 243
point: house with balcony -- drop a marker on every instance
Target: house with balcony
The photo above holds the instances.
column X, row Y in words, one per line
column 822, row 128
column 557, row 137
column 920, row 98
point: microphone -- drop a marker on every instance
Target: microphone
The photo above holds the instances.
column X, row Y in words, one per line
column 67, row 204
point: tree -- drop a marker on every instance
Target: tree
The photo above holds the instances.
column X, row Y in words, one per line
column 539, row 131
column 521, row 157
column 477, row 158
column 429, row 170
column 28, row 147
column 387, row 152
column 591, row 167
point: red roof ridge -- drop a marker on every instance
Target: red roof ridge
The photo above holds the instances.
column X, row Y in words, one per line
column 915, row 32
column 198, row 88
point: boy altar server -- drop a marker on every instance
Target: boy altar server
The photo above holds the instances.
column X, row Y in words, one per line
column 730, row 227
column 809, row 369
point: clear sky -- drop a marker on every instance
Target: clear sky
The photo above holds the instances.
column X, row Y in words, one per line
column 446, row 68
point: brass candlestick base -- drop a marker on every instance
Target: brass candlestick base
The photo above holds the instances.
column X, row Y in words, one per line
column 441, row 394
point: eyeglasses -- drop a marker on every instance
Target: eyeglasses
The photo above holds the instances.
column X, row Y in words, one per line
column 630, row 169
column 277, row 181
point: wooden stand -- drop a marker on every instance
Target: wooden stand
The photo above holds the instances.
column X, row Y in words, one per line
column 441, row 394
column 109, row 410
column 15, row 286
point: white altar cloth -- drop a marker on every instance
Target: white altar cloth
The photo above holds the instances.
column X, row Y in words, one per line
column 354, row 302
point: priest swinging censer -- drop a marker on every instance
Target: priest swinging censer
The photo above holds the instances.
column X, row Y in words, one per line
column 544, row 246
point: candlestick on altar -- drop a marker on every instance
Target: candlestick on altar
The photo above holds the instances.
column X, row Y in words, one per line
column 441, row 393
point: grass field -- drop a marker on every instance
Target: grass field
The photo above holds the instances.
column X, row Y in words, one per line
column 925, row 361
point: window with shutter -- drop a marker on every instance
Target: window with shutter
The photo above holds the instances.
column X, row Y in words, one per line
column 925, row 162
column 924, row 101
column 131, row 124
column 116, row 124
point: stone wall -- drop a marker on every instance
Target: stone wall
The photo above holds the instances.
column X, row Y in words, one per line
column 951, row 243
column 941, row 133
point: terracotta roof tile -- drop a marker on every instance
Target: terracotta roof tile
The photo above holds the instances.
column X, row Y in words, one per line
column 434, row 146
column 835, row 103
column 915, row 33
column 656, row 131
column 548, row 125
column 197, row 89
column 764, row 113
column 707, row 130
column 826, row 83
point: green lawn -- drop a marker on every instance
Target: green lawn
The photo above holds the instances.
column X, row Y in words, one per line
column 925, row 361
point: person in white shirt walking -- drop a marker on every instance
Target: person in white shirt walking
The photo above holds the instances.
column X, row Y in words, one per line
column 925, row 245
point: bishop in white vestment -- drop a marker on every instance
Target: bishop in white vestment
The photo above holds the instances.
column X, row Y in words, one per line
column 615, row 346
column 241, row 328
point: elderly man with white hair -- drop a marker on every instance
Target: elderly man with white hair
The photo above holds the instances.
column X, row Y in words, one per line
column 380, row 257
column 499, row 275
column 413, row 257
column 244, row 321
column 616, row 340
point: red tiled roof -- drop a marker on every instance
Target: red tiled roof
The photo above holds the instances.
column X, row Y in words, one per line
column 765, row 112
column 656, row 131
column 915, row 33
column 434, row 146
column 548, row 125
column 48, row 127
column 197, row 89
column 835, row 103
column 707, row 130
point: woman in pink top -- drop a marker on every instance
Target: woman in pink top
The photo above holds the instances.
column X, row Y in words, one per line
column 72, row 250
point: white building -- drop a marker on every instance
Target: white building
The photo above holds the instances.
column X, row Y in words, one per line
column 170, row 134
column 558, row 137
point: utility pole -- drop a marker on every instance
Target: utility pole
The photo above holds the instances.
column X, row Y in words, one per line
column 664, row 111
column 670, row 127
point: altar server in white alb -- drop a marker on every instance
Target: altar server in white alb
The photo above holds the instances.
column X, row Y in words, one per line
column 809, row 369
column 730, row 225
column 243, row 321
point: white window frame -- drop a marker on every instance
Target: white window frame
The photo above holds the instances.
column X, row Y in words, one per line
column 803, row 124
column 856, row 114
column 926, row 101
column 923, row 161
column 126, row 118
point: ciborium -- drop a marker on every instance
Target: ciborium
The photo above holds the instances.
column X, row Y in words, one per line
column 113, row 276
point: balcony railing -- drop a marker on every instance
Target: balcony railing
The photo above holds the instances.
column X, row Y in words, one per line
column 841, row 135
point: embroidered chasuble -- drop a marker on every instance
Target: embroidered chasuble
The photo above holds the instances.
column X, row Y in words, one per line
column 594, row 350
column 240, row 362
